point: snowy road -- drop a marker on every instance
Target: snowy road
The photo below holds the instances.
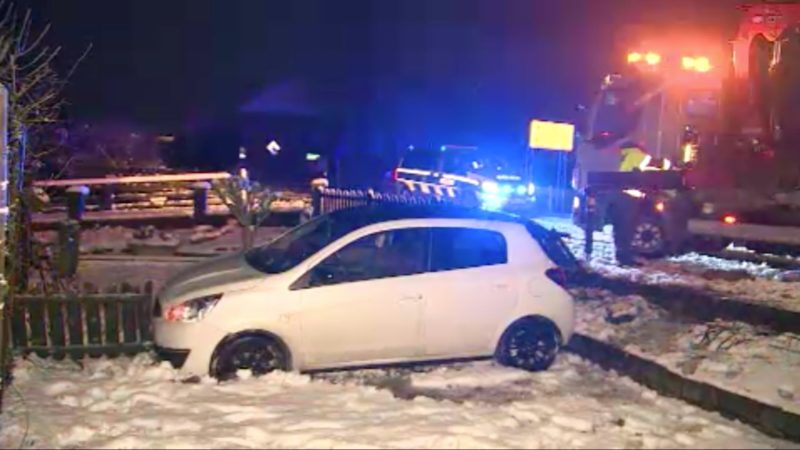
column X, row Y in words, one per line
column 745, row 281
column 127, row 404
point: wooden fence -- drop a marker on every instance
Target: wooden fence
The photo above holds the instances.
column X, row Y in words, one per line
column 81, row 324
column 133, row 192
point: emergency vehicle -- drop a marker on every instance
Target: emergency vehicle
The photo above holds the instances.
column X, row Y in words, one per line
column 724, row 117
column 464, row 173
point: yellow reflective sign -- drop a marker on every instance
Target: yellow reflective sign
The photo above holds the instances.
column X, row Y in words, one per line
column 551, row 136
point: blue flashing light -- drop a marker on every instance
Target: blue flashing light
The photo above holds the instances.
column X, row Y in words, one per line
column 490, row 187
column 521, row 190
column 493, row 202
column 508, row 189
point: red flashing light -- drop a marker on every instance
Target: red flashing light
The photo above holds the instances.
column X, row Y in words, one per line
column 660, row 207
column 730, row 219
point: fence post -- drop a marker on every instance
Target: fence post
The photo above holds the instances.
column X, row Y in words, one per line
column 589, row 213
column 69, row 233
column 107, row 198
column 316, row 201
column 200, row 199
column 76, row 202
column 4, row 314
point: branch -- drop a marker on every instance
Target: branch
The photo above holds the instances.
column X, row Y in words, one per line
column 78, row 61
column 36, row 42
column 22, row 34
column 8, row 17
column 35, row 60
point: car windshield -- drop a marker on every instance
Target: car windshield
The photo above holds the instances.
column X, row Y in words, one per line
column 298, row 244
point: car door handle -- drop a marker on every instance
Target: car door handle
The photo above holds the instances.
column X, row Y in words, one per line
column 411, row 298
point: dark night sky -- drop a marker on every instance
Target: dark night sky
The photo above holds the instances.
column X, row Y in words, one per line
column 164, row 62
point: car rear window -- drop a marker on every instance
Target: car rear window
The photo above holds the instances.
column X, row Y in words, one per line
column 552, row 245
column 463, row 248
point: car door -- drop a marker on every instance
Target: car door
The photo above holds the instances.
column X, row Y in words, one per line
column 474, row 292
column 362, row 304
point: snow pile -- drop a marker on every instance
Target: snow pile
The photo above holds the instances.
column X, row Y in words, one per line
column 732, row 355
column 137, row 404
column 745, row 281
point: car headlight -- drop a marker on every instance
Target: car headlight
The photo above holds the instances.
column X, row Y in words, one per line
column 521, row 190
column 192, row 310
column 490, row 187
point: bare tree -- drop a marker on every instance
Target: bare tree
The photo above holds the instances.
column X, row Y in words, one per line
column 249, row 202
column 35, row 88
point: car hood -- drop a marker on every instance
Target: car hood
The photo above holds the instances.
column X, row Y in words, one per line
column 220, row 275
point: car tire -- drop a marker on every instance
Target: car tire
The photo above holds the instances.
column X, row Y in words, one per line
column 648, row 239
column 530, row 344
column 259, row 354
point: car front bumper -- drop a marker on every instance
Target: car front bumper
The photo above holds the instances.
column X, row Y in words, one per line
column 187, row 346
column 175, row 357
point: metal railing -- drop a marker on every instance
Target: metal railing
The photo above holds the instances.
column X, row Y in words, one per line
column 326, row 200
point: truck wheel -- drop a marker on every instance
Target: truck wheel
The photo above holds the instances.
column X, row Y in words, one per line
column 648, row 238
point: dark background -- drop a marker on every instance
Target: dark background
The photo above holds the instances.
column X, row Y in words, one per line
column 409, row 71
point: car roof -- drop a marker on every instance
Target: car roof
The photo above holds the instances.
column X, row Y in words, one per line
column 366, row 215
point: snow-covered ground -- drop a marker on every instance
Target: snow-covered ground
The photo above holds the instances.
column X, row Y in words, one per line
column 745, row 281
column 134, row 404
column 734, row 356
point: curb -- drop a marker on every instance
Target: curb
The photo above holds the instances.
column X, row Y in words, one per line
column 766, row 418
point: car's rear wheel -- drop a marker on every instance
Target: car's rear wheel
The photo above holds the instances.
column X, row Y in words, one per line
column 260, row 355
column 530, row 344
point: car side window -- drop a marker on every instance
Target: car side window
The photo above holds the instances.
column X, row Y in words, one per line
column 463, row 248
column 387, row 254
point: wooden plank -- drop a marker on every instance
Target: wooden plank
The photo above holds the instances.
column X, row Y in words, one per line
column 19, row 324
column 56, row 328
column 94, row 336
column 111, row 323
column 146, row 313
column 129, row 328
column 38, row 330
column 75, row 325
column 94, row 350
column 201, row 176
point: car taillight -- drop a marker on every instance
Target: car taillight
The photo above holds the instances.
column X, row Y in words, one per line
column 395, row 175
column 558, row 275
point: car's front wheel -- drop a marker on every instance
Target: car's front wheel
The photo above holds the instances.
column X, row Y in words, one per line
column 257, row 354
column 530, row 344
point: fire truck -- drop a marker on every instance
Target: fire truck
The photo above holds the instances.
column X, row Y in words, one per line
column 723, row 121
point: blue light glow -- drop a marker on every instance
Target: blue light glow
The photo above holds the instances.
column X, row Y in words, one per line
column 521, row 190
column 490, row 187
column 493, row 201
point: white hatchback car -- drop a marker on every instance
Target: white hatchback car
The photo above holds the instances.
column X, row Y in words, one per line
column 373, row 286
